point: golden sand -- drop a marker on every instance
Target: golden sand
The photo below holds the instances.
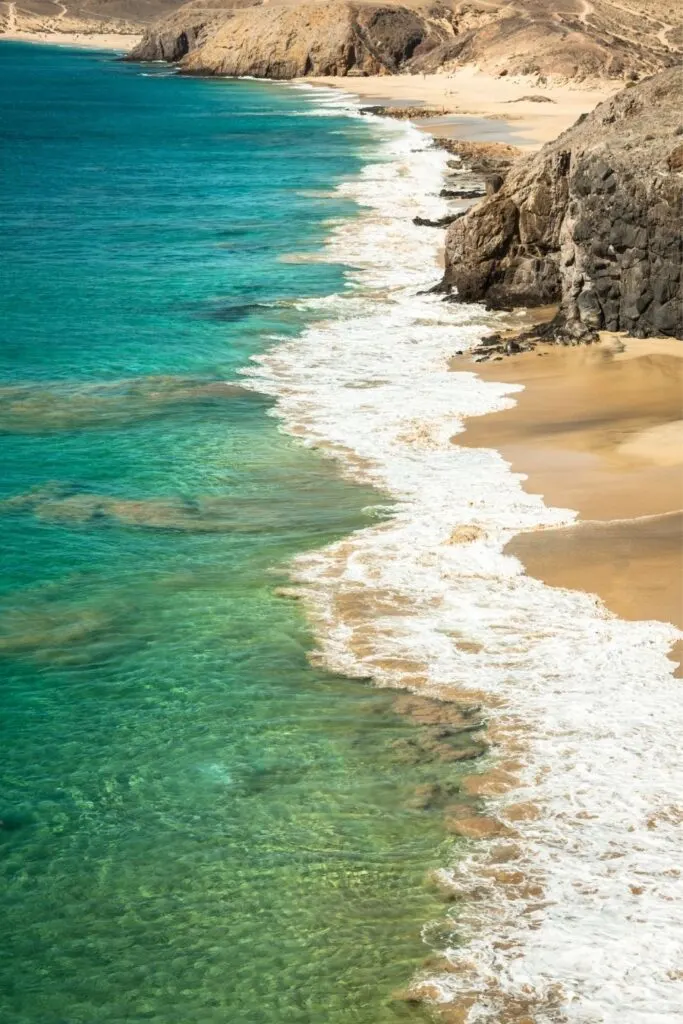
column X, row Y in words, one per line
column 600, row 431
column 469, row 92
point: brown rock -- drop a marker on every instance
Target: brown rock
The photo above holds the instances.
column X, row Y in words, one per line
column 293, row 40
column 476, row 827
column 528, row 37
column 590, row 221
column 492, row 783
column 186, row 29
column 420, row 993
column 521, row 812
column 426, row 711
column 675, row 159
column 424, row 797
column 466, row 534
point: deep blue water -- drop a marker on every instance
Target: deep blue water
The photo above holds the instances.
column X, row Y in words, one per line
column 197, row 826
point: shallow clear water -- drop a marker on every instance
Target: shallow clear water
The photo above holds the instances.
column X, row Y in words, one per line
column 196, row 824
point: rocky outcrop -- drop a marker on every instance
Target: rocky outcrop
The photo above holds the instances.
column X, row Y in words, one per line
column 594, row 222
column 490, row 161
column 237, row 37
column 85, row 17
column 185, row 29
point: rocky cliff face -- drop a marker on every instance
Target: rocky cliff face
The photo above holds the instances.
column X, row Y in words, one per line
column 594, row 221
column 216, row 37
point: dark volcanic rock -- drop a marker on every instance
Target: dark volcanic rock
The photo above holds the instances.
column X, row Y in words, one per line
column 462, row 193
column 593, row 221
column 405, row 113
column 534, row 98
column 442, row 222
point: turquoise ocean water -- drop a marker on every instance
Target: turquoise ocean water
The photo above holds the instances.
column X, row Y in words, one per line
column 197, row 825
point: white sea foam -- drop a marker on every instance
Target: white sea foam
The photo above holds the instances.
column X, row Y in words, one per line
column 590, row 699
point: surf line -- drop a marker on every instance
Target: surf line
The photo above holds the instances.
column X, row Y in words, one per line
column 570, row 885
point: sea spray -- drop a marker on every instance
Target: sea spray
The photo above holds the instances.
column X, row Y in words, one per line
column 585, row 925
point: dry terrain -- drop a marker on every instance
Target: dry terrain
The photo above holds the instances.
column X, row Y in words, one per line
column 569, row 39
column 119, row 17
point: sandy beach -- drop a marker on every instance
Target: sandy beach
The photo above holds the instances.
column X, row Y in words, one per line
column 532, row 114
column 600, row 431
column 81, row 40
column 596, row 430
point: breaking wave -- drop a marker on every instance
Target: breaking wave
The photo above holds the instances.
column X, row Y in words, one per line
column 571, row 904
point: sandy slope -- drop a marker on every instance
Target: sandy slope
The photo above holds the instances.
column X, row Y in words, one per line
column 119, row 41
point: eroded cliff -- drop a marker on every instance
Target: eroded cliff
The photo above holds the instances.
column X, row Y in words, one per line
column 594, row 222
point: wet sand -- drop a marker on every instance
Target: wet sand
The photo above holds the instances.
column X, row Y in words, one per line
column 601, row 432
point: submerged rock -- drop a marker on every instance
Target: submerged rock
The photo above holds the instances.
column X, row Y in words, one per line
column 44, row 408
column 68, row 505
column 593, row 221
column 60, row 630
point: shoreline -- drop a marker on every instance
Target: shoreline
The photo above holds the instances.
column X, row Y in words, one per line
column 430, row 602
column 75, row 40
column 654, row 487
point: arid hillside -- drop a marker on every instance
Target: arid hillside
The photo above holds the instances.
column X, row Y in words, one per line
column 571, row 39
column 574, row 39
column 116, row 16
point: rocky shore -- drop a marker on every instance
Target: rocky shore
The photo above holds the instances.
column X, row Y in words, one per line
column 591, row 223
